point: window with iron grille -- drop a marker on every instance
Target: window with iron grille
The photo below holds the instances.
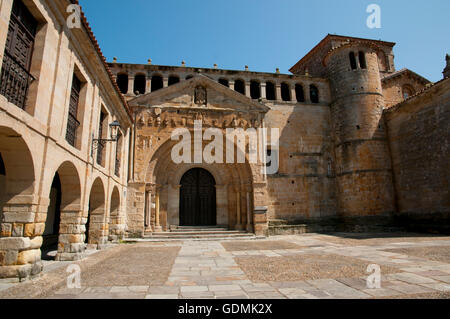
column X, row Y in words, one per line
column 101, row 146
column 72, row 121
column 15, row 77
column 118, row 150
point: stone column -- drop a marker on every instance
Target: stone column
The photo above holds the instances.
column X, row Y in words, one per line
column 263, row 90
column 148, row 211
column 231, row 83
column 165, row 81
column 148, row 84
column 158, row 227
column 306, row 93
column 130, row 85
column 249, row 215
column 293, row 94
column 278, row 91
column 238, row 210
column 247, row 89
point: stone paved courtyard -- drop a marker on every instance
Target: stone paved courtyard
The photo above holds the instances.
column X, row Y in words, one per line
column 295, row 267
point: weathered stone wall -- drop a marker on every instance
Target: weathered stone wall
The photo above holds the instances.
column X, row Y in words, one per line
column 419, row 138
column 364, row 174
column 304, row 187
column 34, row 148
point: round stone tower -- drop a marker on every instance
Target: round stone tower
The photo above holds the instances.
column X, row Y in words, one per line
column 364, row 171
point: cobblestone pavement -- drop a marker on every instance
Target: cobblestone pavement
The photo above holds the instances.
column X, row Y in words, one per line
column 209, row 269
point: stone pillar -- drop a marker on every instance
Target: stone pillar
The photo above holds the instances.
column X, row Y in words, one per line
column 231, row 83
column 158, row 227
column 278, row 92
column 165, row 81
column 247, row 89
column 21, row 238
column 263, row 90
column 238, row 210
column 148, row 212
column 72, row 231
column 260, row 221
column 249, row 215
column 130, row 85
column 148, row 84
column 293, row 94
column 306, row 93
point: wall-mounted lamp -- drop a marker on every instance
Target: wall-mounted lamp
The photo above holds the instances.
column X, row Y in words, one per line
column 114, row 126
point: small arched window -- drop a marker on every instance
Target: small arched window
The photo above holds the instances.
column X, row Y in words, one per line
column 352, row 60
column 362, row 60
column 239, row 86
column 139, row 84
column 122, row 83
column 270, row 91
column 314, row 93
column 299, row 93
column 255, row 90
column 285, row 92
column 173, row 79
column 407, row 91
column 224, row 82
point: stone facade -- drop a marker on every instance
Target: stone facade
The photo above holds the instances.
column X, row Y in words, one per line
column 335, row 161
column 34, row 148
column 352, row 135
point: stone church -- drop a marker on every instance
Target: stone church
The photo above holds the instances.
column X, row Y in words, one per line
column 86, row 146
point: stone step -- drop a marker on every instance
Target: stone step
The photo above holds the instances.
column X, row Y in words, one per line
column 198, row 230
column 195, row 233
column 198, row 235
column 190, row 238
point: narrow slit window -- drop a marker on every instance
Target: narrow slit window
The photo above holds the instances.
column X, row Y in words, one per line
column 362, row 60
column 352, row 60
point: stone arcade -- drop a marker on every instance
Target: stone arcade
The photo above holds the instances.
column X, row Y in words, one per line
column 361, row 146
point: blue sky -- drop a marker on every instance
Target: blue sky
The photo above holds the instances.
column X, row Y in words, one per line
column 264, row 34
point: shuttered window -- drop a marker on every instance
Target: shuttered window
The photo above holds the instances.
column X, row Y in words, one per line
column 72, row 121
column 15, row 77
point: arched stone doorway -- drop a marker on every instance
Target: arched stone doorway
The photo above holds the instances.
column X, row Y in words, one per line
column 198, row 198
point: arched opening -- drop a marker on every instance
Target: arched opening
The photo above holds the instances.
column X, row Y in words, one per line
column 69, row 208
column 362, row 60
column 314, row 93
column 270, row 91
column 300, row 93
column 285, row 92
column 16, row 169
column 239, row 86
column 255, row 90
column 139, row 84
column 189, row 77
column 122, row 83
column 52, row 222
column 198, row 198
column 115, row 231
column 407, row 91
column 224, row 82
column 173, row 79
column 352, row 60
column 157, row 83
column 96, row 232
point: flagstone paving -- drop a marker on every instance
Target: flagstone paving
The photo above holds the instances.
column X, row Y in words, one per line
column 310, row 266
